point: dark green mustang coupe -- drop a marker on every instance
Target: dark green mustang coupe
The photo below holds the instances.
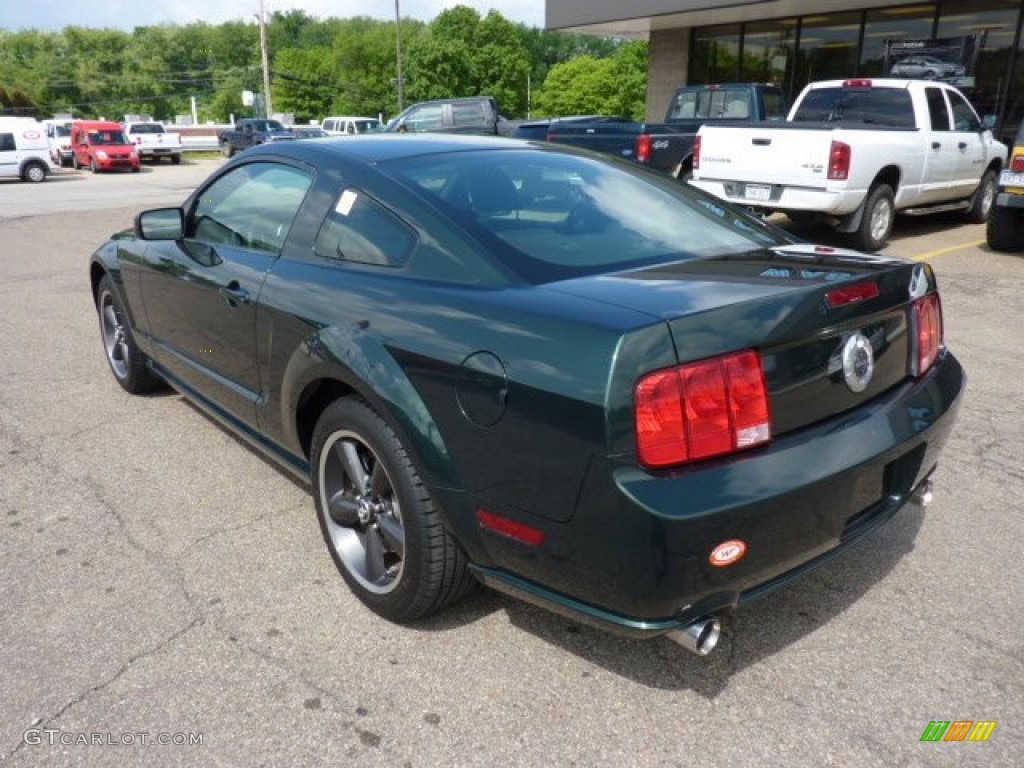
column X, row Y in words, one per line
column 573, row 380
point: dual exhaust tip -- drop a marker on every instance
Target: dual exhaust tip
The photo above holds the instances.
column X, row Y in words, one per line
column 702, row 636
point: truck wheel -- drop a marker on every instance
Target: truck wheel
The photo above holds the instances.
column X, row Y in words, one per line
column 1005, row 230
column 879, row 215
column 226, row 149
column 175, row 159
column 984, row 196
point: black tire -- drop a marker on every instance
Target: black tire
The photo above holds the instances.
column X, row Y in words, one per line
column 983, row 198
column 226, row 149
column 1005, row 229
column 377, row 518
column 127, row 362
column 34, row 172
column 74, row 162
column 175, row 159
column 877, row 221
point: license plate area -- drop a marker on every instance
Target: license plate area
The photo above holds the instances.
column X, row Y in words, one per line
column 762, row 193
column 1011, row 179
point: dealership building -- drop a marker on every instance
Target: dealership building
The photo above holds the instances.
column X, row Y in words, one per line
column 792, row 42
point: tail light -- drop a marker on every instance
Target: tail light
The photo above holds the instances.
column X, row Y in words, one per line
column 857, row 83
column 643, row 148
column 839, row 161
column 1017, row 163
column 696, row 152
column 928, row 321
column 703, row 409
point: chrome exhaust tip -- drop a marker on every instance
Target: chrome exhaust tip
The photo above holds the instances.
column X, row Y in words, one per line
column 923, row 495
column 700, row 638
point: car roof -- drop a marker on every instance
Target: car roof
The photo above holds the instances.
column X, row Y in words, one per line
column 376, row 148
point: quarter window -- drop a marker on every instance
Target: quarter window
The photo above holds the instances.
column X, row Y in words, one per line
column 964, row 118
column 252, row 206
column 359, row 229
column 7, row 142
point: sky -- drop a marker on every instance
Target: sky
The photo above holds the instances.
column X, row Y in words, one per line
column 54, row 15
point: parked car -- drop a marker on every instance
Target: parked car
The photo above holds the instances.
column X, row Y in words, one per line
column 153, row 141
column 100, row 145
column 250, row 132
column 350, row 126
column 309, row 132
column 579, row 382
column 1005, row 228
column 24, row 150
column 927, row 67
column 854, row 153
column 668, row 146
column 58, row 136
column 475, row 115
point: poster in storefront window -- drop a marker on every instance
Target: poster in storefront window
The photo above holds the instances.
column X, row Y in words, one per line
column 950, row 59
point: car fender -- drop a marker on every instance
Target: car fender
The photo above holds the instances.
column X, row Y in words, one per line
column 359, row 362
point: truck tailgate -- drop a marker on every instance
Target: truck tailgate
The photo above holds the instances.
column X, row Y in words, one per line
column 792, row 155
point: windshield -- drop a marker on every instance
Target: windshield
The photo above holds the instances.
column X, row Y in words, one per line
column 552, row 216
column 97, row 138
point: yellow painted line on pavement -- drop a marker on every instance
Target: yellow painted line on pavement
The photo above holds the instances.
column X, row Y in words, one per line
column 948, row 249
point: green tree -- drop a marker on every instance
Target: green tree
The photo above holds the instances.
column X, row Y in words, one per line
column 303, row 82
column 587, row 85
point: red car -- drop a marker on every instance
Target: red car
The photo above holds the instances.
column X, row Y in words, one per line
column 100, row 145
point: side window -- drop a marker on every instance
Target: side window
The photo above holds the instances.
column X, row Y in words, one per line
column 7, row 142
column 465, row 115
column 937, row 111
column 427, row 118
column 361, row 230
column 252, row 206
column 964, row 118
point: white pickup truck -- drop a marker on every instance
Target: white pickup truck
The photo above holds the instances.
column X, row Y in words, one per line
column 856, row 152
column 152, row 141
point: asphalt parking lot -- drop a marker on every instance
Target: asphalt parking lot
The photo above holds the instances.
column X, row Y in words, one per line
column 161, row 582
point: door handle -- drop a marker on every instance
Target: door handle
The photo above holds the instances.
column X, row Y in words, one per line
column 234, row 294
column 936, row 145
column 962, row 145
column 761, row 142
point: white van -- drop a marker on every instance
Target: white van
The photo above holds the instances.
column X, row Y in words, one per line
column 350, row 126
column 58, row 136
column 24, row 151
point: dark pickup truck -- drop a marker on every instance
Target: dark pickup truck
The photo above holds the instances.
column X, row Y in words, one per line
column 668, row 146
column 250, row 131
column 473, row 114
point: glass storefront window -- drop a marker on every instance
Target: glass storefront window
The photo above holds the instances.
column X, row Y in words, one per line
column 913, row 22
column 768, row 51
column 716, row 54
column 828, row 48
column 994, row 25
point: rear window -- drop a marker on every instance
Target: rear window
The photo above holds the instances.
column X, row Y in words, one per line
column 890, row 107
column 147, row 128
column 550, row 216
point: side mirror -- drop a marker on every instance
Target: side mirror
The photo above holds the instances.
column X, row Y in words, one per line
column 160, row 224
column 988, row 122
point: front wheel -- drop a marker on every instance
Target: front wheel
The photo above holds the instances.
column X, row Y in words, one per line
column 226, row 149
column 984, row 196
column 128, row 363
column 877, row 221
column 377, row 518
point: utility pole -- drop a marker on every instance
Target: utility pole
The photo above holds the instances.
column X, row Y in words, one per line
column 265, row 56
column 400, row 81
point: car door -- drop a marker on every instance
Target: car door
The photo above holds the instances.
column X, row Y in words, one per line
column 201, row 292
column 970, row 146
column 940, row 149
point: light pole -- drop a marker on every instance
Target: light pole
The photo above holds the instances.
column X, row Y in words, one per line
column 399, row 81
column 265, row 57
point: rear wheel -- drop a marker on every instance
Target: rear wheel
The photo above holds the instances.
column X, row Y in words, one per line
column 879, row 216
column 226, row 149
column 984, row 196
column 128, row 363
column 377, row 518
column 175, row 159
column 1005, row 230
column 35, row 172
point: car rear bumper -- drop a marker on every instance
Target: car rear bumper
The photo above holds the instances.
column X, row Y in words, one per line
column 635, row 557
column 781, row 197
